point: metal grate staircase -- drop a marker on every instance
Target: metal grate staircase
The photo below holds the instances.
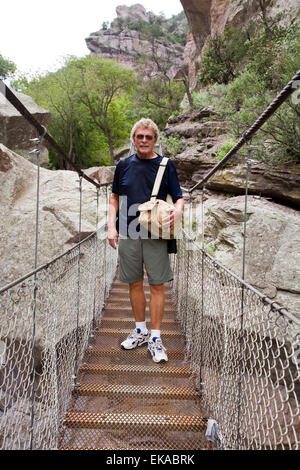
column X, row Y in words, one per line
column 125, row 401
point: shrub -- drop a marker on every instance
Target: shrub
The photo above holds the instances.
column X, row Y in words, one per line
column 172, row 145
column 225, row 148
column 223, row 57
column 209, row 96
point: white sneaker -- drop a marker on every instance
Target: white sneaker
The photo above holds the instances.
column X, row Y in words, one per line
column 157, row 351
column 134, row 339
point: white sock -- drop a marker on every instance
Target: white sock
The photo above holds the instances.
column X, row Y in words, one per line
column 155, row 334
column 142, row 326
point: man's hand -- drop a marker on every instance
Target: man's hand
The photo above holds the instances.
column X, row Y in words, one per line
column 113, row 237
column 175, row 215
column 169, row 221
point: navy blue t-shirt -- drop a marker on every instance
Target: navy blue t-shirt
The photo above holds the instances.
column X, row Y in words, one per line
column 137, row 185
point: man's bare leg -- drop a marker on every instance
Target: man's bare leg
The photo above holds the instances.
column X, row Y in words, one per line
column 157, row 303
column 137, row 300
column 138, row 304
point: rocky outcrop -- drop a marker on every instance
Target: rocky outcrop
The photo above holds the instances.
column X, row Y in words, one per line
column 102, row 174
column 208, row 18
column 135, row 12
column 59, row 213
column 126, row 45
column 16, row 131
column 201, row 135
column 272, row 248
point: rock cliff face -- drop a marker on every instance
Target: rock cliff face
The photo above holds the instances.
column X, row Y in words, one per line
column 59, row 209
column 208, row 18
column 16, row 132
column 125, row 45
column 272, row 248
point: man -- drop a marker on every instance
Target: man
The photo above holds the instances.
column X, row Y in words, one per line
column 136, row 248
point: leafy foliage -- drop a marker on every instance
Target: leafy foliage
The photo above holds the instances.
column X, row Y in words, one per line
column 223, row 57
column 172, row 145
column 7, row 67
column 88, row 99
column 256, row 87
column 225, row 148
column 157, row 98
column 256, row 65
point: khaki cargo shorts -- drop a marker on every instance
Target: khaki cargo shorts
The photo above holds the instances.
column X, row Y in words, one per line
column 135, row 254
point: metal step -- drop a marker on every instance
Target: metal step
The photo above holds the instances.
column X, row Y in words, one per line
column 121, row 298
column 131, row 321
column 119, row 369
column 163, row 415
column 137, row 391
column 122, row 331
column 177, row 354
column 126, row 420
column 125, row 290
column 127, row 308
column 118, row 312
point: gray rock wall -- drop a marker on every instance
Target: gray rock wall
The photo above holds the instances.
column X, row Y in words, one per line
column 272, row 263
column 58, row 215
column 16, row 131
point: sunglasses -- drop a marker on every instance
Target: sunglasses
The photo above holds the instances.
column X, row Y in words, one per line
column 141, row 136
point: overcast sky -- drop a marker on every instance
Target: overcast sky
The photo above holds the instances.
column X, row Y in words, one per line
column 36, row 34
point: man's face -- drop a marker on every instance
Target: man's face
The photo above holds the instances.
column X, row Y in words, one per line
column 144, row 141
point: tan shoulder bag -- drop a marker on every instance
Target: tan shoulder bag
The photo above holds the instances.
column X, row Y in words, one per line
column 154, row 211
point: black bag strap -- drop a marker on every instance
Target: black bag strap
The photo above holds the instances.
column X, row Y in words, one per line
column 122, row 166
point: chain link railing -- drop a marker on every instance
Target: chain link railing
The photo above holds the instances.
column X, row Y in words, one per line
column 244, row 354
column 244, row 349
column 49, row 316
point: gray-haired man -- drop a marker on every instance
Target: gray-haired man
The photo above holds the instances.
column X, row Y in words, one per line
column 136, row 250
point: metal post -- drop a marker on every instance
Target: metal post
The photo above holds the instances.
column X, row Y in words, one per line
column 75, row 383
column 248, row 169
column 187, row 253
column 202, row 291
column 36, row 151
column 96, row 261
column 105, row 247
column 202, row 218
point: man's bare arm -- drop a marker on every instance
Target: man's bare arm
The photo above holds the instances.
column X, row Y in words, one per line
column 113, row 235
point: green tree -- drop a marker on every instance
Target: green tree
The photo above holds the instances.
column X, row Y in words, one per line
column 89, row 108
column 223, row 57
column 101, row 87
column 156, row 92
column 7, row 67
column 249, row 94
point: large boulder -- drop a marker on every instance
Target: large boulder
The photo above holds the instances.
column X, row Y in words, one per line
column 135, row 12
column 272, row 245
column 16, row 131
column 58, row 213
